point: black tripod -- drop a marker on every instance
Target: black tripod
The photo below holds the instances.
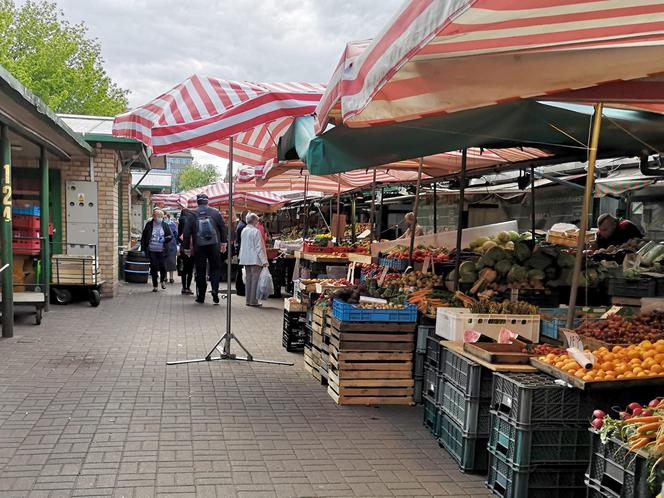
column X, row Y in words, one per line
column 225, row 351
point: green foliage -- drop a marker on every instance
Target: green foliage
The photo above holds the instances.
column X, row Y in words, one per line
column 197, row 175
column 55, row 59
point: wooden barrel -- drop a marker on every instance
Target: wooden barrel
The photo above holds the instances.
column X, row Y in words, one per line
column 136, row 267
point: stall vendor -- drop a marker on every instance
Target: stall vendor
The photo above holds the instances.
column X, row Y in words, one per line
column 410, row 222
column 614, row 232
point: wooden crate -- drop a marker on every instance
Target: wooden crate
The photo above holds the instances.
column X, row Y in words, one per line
column 74, row 269
column 371, row 363
column 294, row 307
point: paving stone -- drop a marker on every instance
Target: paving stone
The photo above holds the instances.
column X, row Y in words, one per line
column 89, row 408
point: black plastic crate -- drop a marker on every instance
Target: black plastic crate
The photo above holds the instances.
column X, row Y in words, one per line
column 418, row 365
column 469, row 452
column 423, row 333
column 431, row 416
column 537, row 481
column 539, row 444
column 624, row 287
column 471, row 414
column 417, row 390
column 433, row 353
column 616, row 472
column 469, row 377
column 430, row 384
column 526, row 399
column 293, row 346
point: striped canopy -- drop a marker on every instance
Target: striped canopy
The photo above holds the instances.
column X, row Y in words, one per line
column 444, row 56
column 204, row 112
column 218, row 197
column 623, row 182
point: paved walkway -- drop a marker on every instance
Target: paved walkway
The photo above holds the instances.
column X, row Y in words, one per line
column 88, row 407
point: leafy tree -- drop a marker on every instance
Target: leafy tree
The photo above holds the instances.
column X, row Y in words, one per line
column 197, row 175
column 56, row 60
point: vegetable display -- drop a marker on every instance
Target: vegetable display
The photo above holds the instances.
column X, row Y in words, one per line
column 617, row 329
column 420, row 253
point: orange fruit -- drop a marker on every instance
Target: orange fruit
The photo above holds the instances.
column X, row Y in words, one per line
column 656, row 369
column 620, row 376
column 617, row 349
column 609, row 377
column 645, row 344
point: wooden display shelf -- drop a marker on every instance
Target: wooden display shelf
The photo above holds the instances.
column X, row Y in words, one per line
column 494, row 353
column 587, row 385
column 457, row 347
column 321, row 258
column 364, row 259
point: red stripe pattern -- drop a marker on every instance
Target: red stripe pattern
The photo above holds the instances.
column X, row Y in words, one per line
column 437, row 57
column 204, row 112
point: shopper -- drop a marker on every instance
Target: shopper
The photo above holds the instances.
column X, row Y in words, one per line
column 241, row 224
column 186, row 264
column 172, row 249
column 154, row 242
column 207, row 233
column 253, row 257
column 411, row 223
column 614, row 231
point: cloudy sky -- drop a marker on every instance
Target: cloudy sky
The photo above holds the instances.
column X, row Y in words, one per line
column 151, row 45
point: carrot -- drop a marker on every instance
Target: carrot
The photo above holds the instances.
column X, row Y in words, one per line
column 640, row 443
column 643, row 420
column 653, row 426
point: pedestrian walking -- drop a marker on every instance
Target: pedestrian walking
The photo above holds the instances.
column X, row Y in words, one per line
column 186, row 261
column 241, row 224
column 253, row 257
column 154, row 242
column 172, row 249
column 207, row 234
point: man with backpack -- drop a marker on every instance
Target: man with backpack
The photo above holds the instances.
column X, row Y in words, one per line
column 207, row 231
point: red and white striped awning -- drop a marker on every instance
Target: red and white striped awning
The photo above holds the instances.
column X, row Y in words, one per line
column 622, row 182
column 218, row 197
column 445, row 56
column 203, row 112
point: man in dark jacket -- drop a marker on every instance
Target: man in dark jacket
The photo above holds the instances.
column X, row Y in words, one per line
column 186, row 264
column 614, row 232
column 208, row 233
column 154, row 242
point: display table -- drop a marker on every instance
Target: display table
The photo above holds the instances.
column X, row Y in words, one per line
column 457, row 347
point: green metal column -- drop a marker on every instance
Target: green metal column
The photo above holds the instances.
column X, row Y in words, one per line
column 6, row 254
column 45, row 201
column 120, row 208
column 144, row 213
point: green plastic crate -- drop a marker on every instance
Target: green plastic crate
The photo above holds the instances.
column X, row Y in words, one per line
column 539, row 444
column 431, row 416
column 471, row 414
column 469, row 452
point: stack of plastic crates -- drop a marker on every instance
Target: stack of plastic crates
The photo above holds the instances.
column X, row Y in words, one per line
column 464, row 396
column 294, row 331
column 424, row 332
column 539, row 444
column 432, row 355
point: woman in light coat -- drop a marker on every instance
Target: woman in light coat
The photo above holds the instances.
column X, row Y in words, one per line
column 253, row 257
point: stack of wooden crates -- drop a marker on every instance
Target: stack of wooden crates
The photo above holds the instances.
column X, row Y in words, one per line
column 316, row 352
column 371, row 362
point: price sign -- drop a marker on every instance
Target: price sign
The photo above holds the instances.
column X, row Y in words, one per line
column 7, row 194
column 383, row 274
column 426, row 264
column 350, row 276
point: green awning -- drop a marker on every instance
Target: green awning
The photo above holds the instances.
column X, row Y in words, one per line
column 559, row 128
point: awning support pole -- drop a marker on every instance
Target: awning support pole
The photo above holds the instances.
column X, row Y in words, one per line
column 224, row 350
column 339, row 234
column 435, row 209
column 462, row 200
column 379, row 236
column 532, row 202
column 585, row 211
column 353, row 233
column 7, row 275
column 43, row 224
column 305, row 222
column 372, row 217
column 416, row 206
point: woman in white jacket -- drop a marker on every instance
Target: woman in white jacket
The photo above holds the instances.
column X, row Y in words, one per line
column 253, row 257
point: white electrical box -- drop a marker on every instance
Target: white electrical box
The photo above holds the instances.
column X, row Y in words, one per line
column 82, row 217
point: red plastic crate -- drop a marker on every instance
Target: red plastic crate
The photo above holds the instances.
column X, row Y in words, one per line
column 24, row 221
column 313, row 248
column 26, row 246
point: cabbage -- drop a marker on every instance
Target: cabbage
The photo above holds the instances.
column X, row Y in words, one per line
column 467, row 267
column 478, row 242
column 565, row 260
column 514, row 236
column 536, row 275
column 539, row 261
column 517, row 274
column 522, row 251
column 488, row 245
column 503, row 266
column 503, row 237
column 509, row 246
column 496, row 254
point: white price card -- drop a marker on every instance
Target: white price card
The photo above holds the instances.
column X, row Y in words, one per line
column 383, row 274
column 426, row 264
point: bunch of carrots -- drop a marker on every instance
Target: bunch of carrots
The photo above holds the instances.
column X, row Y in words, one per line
column 641, row 427
column 425, row 303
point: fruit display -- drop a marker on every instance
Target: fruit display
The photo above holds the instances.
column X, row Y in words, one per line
column 417, row 280
column 321, row 240
column 542, row 349
column 645, row 359
column 631, row 245
column 618, row 329
column 640, row 428
column 429, row 300
column 420, row 253
column 506, row 307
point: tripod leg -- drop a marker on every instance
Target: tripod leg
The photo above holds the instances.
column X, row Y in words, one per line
column 249, row 355
column 208, row 357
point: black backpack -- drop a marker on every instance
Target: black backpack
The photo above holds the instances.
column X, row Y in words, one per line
column 206, row 234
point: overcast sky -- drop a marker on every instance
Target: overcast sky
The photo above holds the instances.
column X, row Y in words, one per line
column 151, row 45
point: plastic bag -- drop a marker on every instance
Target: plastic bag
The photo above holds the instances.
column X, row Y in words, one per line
column 265, row 286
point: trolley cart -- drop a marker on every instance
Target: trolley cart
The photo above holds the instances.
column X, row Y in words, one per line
column 36, row 300
column 76, row 274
